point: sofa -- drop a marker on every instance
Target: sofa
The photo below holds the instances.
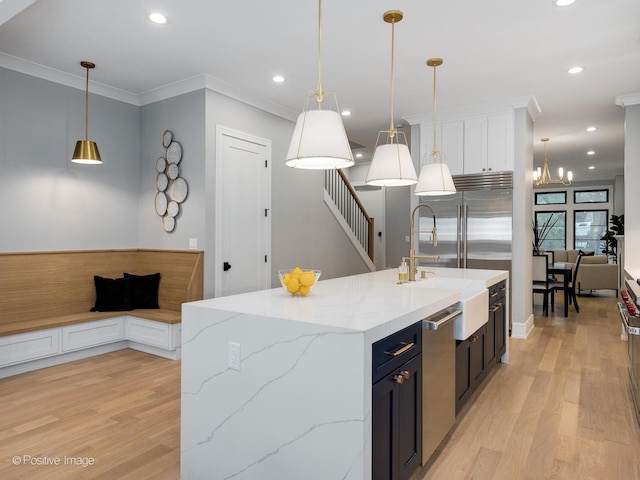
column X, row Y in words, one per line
column 595, row 273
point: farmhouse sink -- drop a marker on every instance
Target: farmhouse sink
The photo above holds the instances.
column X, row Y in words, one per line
column 474, row 301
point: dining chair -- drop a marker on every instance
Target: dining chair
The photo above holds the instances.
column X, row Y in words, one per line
column 541, row 281
column 573, row 287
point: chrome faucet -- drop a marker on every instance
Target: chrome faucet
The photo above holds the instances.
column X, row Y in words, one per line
column 413, row 266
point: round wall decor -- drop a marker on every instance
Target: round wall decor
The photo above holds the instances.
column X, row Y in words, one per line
column 172, row 188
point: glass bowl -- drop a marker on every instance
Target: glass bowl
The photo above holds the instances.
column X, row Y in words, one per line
column 298, row 281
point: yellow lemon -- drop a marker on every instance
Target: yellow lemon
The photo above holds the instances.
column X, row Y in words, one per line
column 293, row 285
column 285, row 279
column 304, row 290
column 307, row 279
column 296, row 272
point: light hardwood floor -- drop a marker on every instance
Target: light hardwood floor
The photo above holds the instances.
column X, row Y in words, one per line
column 559, row 410
column 121, row 409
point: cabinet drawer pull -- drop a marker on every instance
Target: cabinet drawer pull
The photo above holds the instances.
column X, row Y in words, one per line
column 496, row 308
column 402, row 376
column 401, row 350
column 502, row 289
column 474, row 339
column 494, row 294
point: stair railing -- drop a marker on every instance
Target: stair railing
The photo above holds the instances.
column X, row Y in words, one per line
column 343, row 194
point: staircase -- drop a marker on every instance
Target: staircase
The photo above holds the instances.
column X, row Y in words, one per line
column 343, row 201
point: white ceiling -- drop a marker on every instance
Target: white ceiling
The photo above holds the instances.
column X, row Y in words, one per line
column 493, row 50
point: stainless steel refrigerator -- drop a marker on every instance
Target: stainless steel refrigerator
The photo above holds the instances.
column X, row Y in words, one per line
column 474, row 226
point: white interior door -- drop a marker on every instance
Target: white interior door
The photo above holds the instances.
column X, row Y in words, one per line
column 243, row 217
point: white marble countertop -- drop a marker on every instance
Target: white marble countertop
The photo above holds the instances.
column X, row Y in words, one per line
column 372, row 302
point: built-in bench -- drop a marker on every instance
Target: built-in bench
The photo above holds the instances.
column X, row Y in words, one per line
column 46, row 298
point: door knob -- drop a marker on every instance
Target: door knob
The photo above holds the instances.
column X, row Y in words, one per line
column 226, row 266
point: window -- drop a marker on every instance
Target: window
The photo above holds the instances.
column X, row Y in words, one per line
column 591, row 196
column 552, row 230
column 551, row 198
column 589, row 227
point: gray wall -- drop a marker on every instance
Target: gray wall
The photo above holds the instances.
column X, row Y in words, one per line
column 185, row 117
column 52, row 204
column 49, row 202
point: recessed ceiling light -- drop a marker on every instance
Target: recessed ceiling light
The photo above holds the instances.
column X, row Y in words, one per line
column 591, row 129
column 158, row 18
column 591, row 167
column 278, row 78
column 346, row 113
column 358, row 155
column 574, row 70
column 563, row 3
column 591, row 152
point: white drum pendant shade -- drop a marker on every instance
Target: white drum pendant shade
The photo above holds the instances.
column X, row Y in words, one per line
column 319, row 142
column 435, row 179
column 391, row 166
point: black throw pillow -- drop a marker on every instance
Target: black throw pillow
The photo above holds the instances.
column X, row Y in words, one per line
column 112, row 294
column 144, row 290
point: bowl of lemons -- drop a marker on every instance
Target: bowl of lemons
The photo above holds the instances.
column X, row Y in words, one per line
column 298, row 281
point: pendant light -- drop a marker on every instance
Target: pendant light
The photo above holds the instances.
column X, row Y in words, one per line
column 543, row 176
column 391, row 164
column 86, row 151
column 319, row 139
column 435, row 177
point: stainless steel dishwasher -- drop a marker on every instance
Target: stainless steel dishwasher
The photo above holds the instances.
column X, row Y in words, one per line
column 438, row 379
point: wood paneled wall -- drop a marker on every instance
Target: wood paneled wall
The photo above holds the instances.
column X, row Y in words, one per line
column 36, row 285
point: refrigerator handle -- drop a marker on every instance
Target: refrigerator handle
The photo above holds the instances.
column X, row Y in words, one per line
column 458, row 237
column 465, row 217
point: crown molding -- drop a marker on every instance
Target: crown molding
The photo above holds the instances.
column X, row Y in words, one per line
column 181, row 87
column 58, row 76
column 471, row 111
column 628, row 100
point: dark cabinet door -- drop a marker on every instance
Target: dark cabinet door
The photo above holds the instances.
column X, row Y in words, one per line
column 397, row 422
column 490, row 339
column 471, row 367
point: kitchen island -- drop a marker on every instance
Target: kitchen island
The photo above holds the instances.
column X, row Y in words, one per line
column 275, row 386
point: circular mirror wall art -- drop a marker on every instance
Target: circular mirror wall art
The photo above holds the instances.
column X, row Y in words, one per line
column 172, row 188
column 173, row 171
column 161, row 164
column 178, row 190
column 161, row 203
column 168, row 223
column 167, row 137
column 174, row 152
column 173, row 208
column 162, row 182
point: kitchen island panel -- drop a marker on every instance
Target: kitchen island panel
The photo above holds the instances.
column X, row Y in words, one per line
column 292, row 396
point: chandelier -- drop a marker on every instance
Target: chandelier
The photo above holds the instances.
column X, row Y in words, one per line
column 542, row 176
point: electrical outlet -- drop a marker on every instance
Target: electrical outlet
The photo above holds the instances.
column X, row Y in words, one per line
column 233, row 356
column 193, row 243
column 406, row 239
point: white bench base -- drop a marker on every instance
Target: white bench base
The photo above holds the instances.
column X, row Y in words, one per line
column 25, row 352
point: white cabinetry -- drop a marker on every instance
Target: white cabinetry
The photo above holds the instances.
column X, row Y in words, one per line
column 29, row 346
column 450, row 144
column 90, row 334
column 483, row 143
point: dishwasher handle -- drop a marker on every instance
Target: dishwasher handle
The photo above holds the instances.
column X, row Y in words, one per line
column 435, row 324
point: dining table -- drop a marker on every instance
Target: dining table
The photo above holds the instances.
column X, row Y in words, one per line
column 565, row 269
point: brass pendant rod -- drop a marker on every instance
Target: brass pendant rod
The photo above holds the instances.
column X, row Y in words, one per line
column 319, row 92
column 392, row 130
column 434, row 153
column 86, row 107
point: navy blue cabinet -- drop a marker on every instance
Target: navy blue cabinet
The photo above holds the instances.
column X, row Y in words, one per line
column 396, row 417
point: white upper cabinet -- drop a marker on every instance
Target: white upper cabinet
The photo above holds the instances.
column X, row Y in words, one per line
column 478, row 144
column 450, row 144
column 488, row 144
